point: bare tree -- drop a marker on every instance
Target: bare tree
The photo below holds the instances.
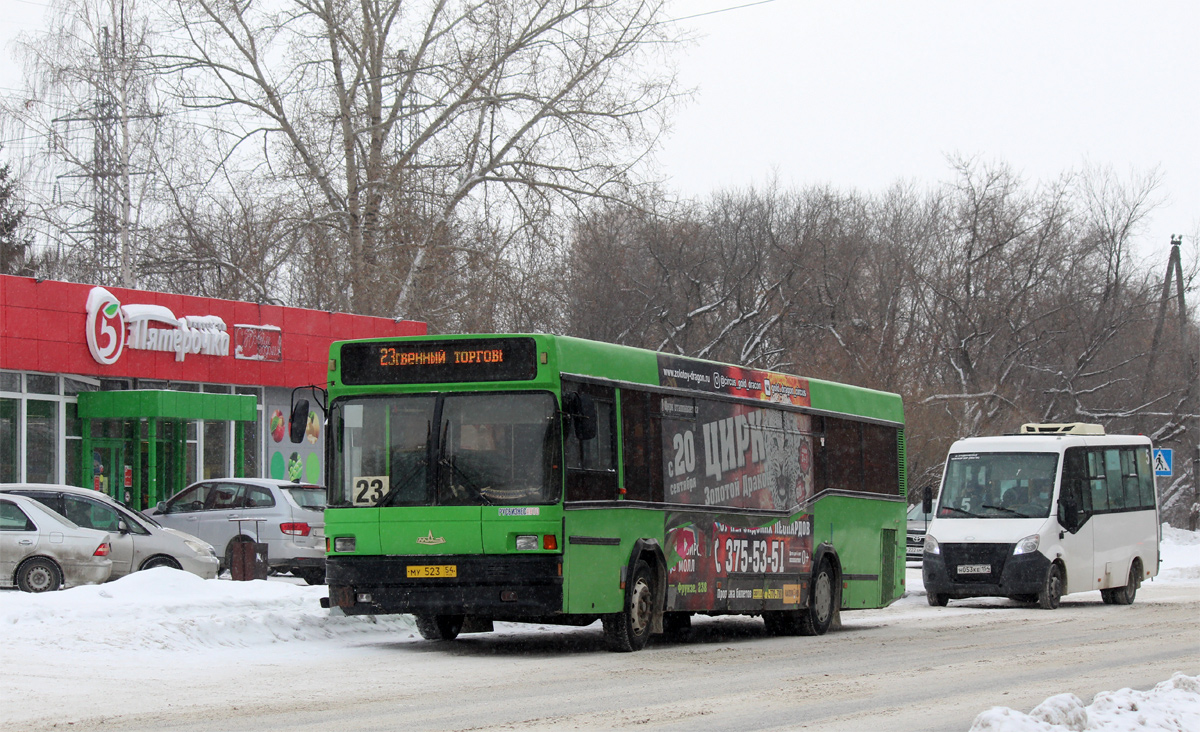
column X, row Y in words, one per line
column 396, row 120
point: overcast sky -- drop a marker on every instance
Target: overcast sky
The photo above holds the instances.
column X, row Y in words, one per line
column 864, row 94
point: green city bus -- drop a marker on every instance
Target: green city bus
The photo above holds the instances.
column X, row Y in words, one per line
column 547, row 479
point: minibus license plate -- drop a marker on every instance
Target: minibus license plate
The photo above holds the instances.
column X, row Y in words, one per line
column 433, row 570
column 965, row 569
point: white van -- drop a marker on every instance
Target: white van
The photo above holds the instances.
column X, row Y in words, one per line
column 1034, row 516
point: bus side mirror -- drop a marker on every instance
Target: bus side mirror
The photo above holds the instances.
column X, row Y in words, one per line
column 299, row 421
column 581, row 409
column 927, row 500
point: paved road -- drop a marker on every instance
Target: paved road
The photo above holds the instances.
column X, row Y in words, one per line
column 908, row 667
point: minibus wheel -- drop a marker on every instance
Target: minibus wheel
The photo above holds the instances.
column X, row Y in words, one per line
column 1052, row 590
column 1124, row 595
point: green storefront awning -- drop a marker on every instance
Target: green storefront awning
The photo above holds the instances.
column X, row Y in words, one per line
column 158, row 404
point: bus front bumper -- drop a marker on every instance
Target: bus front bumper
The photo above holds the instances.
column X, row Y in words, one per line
column 1008, row 575
column 491, row 585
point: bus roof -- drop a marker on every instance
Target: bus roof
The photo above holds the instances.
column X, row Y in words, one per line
column 613, row 362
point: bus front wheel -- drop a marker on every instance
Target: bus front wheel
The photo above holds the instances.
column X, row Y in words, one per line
column 439, row 627
column 816, row 619
column 629, row 629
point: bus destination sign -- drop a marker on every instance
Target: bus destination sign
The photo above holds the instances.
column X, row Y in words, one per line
column 439, row 362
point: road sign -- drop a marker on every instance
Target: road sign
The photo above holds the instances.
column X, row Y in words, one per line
column 1162, row 461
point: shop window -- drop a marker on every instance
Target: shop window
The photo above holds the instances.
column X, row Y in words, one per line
column 71, row 387
column 74, row 456
column 114, row 384
column 216, row 449
column 41, row 441
column 10, row 412
column 41, row 384
column 10, row 382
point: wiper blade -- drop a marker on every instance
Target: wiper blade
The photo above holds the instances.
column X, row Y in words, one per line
column 457, row 471
column 1008, row 510
column 964, row 513
column 395, row 488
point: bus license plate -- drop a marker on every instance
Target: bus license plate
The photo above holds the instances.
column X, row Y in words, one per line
column 974, row 569
column 433, row 570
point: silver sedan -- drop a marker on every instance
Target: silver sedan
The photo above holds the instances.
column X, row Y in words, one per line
column 138, row 541
column 41, row 550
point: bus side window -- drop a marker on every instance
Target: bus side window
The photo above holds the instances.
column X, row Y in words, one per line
column 592, row 463
column 1129, row 478
column 641, row 438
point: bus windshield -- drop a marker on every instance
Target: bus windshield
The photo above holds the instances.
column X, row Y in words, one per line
column 465, row 449
column 998, row 485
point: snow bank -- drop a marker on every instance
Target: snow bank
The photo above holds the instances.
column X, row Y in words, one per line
column 168, row 610
column 1180, row 555
column 1172, row 706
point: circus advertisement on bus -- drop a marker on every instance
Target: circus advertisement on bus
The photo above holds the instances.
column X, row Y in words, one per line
column 735, row 455
column 737, row 563
column 716, row 378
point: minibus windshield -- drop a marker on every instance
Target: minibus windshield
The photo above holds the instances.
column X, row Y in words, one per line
column 998, row 485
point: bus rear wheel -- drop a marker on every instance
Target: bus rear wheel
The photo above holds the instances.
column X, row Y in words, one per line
column 816, row 618
column 439, row 627
column 630, row 629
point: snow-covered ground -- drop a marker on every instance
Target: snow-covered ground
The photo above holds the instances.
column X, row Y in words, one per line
column 163, row 621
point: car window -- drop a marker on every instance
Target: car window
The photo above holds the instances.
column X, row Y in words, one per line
column 12, row 518
column 308, row 496
column 255, row 496
column 44, row 497
column 191, row 499
column 90, row 514
column 224, row 496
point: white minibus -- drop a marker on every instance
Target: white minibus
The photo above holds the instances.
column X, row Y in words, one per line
column 1053, row 510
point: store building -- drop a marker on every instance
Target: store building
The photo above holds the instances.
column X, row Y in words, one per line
column 140, row 393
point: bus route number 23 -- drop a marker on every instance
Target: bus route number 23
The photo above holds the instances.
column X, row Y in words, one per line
column 368, row 489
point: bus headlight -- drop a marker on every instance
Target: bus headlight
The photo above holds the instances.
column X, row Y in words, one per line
column 1028, row 545
column 527, row 543
column 931, row 545
column 344, row 544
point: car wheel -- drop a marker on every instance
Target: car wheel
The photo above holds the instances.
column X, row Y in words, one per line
column 816, row 619
column 39, row 575
column 1124, row 595
column 160, row 561
column 439, row 627
column 311, row 575
column 1052, row 590
column 630, row 629
column 936, row 599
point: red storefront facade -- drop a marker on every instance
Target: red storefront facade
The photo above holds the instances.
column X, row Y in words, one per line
column 61, row 339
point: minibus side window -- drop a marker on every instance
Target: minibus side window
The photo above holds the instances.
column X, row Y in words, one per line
column 1116, row 483
column 1096, row 479
column 1146, row 477
column 1129, row 478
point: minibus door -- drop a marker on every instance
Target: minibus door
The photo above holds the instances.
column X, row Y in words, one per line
column 1076, row 533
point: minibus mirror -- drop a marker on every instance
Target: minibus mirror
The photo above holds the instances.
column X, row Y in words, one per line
column 299, row 421
column 927, row 500
column 1068, row 515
